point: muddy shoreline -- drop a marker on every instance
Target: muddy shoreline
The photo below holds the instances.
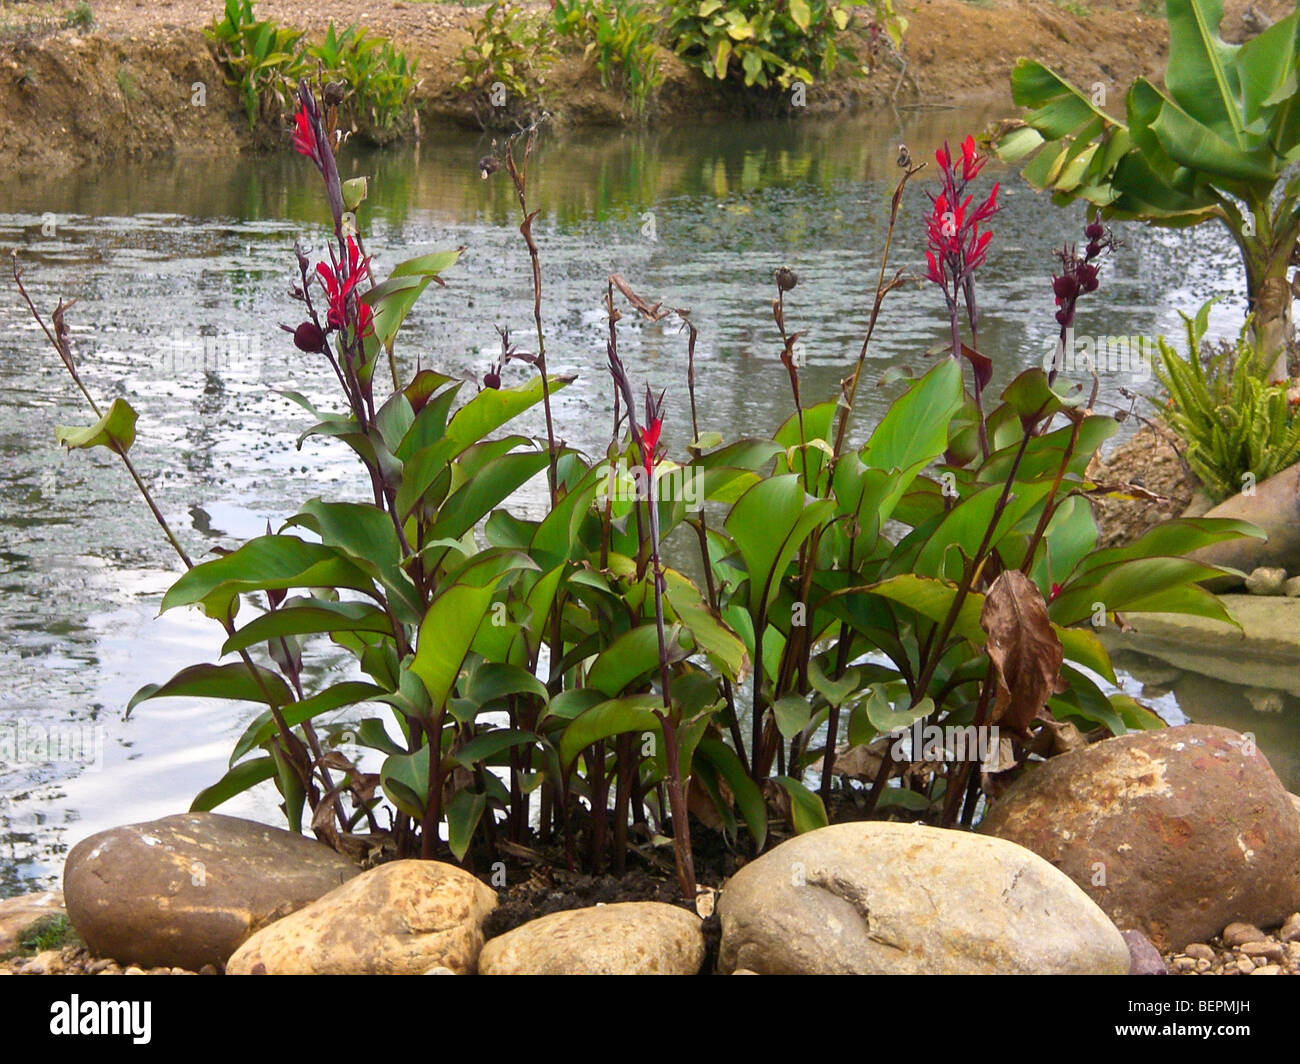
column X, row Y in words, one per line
column 143, row 81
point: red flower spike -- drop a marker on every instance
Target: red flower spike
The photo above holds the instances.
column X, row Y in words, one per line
column 304, row 139
column 971, row 163
column 339, row 283
column 649, row 441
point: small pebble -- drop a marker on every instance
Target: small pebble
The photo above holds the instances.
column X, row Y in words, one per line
column 1236, row 934
column 1267, row 969
column 1200, row 951
column 1274, row 951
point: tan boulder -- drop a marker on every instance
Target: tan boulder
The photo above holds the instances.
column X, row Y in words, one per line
column 907, row 899
column 401, row 918
column 627, row 938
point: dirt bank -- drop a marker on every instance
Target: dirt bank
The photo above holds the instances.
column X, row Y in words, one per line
column 129, row 86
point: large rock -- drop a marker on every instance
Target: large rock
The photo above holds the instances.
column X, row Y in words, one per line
column 186, row 890
column 1176, row 832
column 401, row 918
column 1263, row 652
column 887, row 898
column 18, row 914
column 1274, row 507
column 629, row 938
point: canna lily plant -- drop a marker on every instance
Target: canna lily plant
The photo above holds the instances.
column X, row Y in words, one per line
column 559, row 686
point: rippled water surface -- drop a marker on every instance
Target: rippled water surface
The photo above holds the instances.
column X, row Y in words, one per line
column 180, row 275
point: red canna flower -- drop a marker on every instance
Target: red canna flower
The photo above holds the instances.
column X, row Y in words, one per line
column 340, row 281
column 649, row 441
column 956, row 246
column 654, row 423
column 304, row 136
column 971, row 164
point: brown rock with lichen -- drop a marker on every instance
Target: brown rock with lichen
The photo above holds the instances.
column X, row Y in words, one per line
column 1175, row 832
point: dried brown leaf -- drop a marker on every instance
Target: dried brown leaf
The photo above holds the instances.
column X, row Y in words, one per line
column 1025, row 651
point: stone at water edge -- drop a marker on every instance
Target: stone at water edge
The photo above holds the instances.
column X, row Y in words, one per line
column 888, row 898
column 626, row 938
column 401, row 918
column 1275, row 508
column 1144, row 958
column 1266, row 581
column 1176, row 832
column 186, row 890
column 18, row 914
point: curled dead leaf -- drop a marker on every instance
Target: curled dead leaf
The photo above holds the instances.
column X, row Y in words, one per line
column 1024, row 649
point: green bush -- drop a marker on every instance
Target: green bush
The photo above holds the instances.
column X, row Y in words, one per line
column 1221, row 403
column 266, row 60
column 508, row 55
column 263, row 59
column 619, row 33
column 770, row 42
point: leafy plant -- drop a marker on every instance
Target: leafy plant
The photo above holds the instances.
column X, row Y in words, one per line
column 770, row 42
column 560, row 680
column 80, row 17
column 380, row 78
column 263, row 58
column 1220, row 404
column 1217, row 143
column 126, row 83
column 266, row 61
column 506, row 60
column 618, row 33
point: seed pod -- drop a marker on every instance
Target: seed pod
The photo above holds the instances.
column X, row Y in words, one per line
column 308, row 337
column 786, row 279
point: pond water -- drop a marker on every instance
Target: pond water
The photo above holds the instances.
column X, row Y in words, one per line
column 180, row 272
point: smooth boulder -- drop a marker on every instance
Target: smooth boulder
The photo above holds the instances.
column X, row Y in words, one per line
column 1177, row 832
column 187, row 890
column 895, row 899
column 401, row 918
column 1274, row 507
column 627, row 938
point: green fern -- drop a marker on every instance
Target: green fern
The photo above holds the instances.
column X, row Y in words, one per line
column 1232, row 419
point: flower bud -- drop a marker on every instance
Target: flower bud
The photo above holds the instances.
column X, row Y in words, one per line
column 1065, row 287
column 1094, row 231
column 1065, row 317
column 1087, row 275
column 1093, row 249
column 308, row 337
